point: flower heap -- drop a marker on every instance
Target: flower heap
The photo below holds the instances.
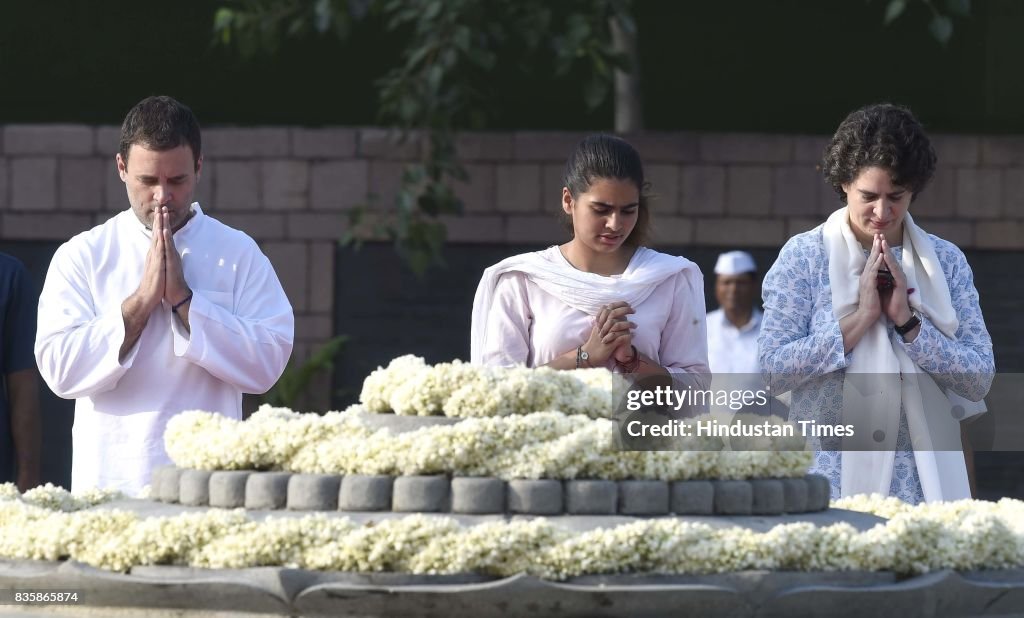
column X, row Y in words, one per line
column 409, row 386
column 957, row 535
column 55, row 498
column 539, row 445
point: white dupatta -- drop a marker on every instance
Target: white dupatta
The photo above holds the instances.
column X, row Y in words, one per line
column 580, row 290
column 881, row 376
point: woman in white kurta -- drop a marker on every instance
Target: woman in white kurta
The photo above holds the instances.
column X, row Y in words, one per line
column 601, row 299
column 918, row 341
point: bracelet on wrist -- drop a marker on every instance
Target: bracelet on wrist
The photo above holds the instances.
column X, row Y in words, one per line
column 909, row 325
column 175, row 308
column 632, row 365
column 582, row 357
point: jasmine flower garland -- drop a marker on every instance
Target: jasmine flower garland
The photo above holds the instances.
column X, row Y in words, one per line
column 538, row 445
column 409, row 386
column 957, row 535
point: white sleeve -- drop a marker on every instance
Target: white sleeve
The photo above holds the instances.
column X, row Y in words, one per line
column 508, row 323
column 77, row 343
column 684, row 342
column 248, row 343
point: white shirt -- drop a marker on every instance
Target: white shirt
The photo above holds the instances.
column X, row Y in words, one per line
column 732, row 354
column 527, row 325
column 731, row 348
column 242, row 329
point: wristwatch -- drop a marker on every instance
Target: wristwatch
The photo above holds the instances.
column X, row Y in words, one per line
column 581, row 357
column 909, row 326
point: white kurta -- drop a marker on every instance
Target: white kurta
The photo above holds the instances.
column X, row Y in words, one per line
column 242, row 329
column 527, row 325
column 732, row 355
column 733, row 349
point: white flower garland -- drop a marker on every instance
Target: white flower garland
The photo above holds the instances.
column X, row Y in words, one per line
column 55, row 498
column 411, row 387
column 958, row 535
column 539, row 445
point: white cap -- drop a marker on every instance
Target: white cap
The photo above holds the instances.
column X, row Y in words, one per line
column 735, row 263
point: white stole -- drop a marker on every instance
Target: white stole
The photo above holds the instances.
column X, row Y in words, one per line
column 881, row 377
column 580, row 290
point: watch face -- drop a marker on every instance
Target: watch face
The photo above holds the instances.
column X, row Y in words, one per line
column 584, row 355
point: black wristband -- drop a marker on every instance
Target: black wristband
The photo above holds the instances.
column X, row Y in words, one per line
column 175, row 308
column 909, row 326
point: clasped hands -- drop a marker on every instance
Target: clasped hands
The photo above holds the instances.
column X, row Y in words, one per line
column 611, row 336
column 162, row 275
column 893, row 303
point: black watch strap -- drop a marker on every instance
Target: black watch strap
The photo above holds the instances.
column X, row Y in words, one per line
column 909, row 326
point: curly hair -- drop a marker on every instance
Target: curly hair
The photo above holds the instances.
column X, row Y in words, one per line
column 607, row 156
column 881, row 135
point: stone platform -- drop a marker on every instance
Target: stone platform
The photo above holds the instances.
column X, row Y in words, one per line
column 268, row 591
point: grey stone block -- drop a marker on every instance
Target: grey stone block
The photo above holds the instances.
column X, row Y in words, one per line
column 591, row 497
column 643, row 497
column 733, row 498
column 227, row 488
column 156, row 481
column 361, row 492
column 428, row 494
column 478, row 495
column 818, row 492
column 194, row 487
column 313, row 492
column 266, row 490
column 169, row 485
column 768, row 497
column 535, row 497
column 692, row 498
column 794, row 495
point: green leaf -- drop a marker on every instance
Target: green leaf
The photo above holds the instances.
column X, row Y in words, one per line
column 941, row 28
column 960, row 8
column 463, row 38
column 435, row 74
column 295, row 379
column 894, row 10
column 223, row 19
column 433, row 10
column 412, row 174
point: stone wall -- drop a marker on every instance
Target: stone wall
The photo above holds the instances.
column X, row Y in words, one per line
column 289, row 187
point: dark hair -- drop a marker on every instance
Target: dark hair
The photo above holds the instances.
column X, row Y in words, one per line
column 160, row 123
column 606, row 156
column 881, row 135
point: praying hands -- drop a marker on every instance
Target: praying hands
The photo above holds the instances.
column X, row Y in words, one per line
column 162, row 280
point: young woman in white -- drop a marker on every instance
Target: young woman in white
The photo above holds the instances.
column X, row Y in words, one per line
column 601, row 299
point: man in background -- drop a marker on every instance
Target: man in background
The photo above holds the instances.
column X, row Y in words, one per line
column 734, row 326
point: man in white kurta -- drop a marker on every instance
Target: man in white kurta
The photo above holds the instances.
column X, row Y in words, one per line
column 734, row 326
column 138, row 323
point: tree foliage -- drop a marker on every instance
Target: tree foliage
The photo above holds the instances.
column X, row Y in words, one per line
column 450, row 46
column 940, row 15
column 295, row 380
